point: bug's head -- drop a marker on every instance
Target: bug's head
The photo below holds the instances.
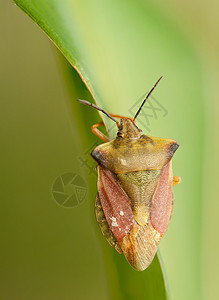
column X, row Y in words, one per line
column 128, row 129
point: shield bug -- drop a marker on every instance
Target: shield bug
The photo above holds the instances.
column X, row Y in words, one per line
column 134, row 202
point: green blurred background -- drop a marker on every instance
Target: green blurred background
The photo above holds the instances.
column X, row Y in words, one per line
column 51, row 252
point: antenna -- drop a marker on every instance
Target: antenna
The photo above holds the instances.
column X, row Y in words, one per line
column 98, row 108
column 148, row 95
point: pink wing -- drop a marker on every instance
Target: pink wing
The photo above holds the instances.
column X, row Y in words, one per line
column 162, row 199
column 115, row 203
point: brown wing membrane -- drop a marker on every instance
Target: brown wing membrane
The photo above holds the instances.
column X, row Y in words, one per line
column 140, row 245
column 162, row 200
column 115, row 204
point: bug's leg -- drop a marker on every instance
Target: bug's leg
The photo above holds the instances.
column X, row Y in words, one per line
column 98, row 133
column 176, row 180
column 119, row 117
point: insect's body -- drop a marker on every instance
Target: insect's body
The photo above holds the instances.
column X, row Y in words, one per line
column 138, row 166
column 134, row 201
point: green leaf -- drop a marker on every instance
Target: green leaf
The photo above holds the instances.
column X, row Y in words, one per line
column 120, row 49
